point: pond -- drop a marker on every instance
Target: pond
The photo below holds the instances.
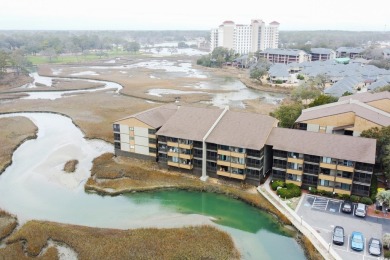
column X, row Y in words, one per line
column 35, row 187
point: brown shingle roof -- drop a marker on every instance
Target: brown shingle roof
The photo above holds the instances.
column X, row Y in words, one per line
column 245, row 130
column 155, row 117
column 344, row 147
column 360, row 109
column 190, row 123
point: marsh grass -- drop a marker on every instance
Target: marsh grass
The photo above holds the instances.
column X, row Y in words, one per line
column 15, row 251
column 7, row 224
column 202, row 242
column 70, row 166
column 13, row 132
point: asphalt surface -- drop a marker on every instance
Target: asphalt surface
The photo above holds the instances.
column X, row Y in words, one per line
column 323, row 214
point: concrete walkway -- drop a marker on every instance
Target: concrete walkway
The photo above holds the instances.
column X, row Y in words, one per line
column 319, row 243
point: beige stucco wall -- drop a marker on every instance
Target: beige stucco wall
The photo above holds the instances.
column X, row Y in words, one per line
column 133, row 122
column 362, row 124
column 383, row 104
column 335, row 120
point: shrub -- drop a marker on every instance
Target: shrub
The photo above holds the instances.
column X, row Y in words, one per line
column 366, row 200
column 278, row 81
column 386, row 240
column 346, row 197
column 355, row 198
column 328, row 194
column 387, row 254
column 313, row 191
column 290, row 191
column 277, row 183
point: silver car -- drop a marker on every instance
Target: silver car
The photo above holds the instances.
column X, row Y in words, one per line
column 360, row 210
column 375, row 247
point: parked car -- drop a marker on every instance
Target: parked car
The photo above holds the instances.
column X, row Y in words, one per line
column 375, row 247
column 347, row 206
column 338, row 235
column 357, row 241
column 360, row 210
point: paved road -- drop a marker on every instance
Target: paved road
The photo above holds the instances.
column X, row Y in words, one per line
column 324, row 214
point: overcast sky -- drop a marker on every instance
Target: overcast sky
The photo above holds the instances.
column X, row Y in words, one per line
column 192, row 15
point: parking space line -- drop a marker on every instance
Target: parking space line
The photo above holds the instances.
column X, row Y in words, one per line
column 312, row 205
column 327, row 202
column 348, row 244
column 340, row 207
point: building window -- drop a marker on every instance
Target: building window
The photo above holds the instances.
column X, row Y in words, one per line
column 117, row 145
column 116, row 127
column 151, row 131
column 117, row 137
column 329, row 160
column 152, row 141
column 131, row 128
column 152, row 150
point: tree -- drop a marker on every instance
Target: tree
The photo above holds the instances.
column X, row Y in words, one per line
column 182, row 45
column 257, row 73
column 322, row 100
column 287, row 114
column 382, row 135
column 347, row 93
column 384, row 197
column 303, row 92
column 132, row 47
column 4, row 58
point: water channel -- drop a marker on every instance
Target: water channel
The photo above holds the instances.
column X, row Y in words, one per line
column 34, row 187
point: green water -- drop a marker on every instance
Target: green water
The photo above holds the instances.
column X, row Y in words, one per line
column 256, row 233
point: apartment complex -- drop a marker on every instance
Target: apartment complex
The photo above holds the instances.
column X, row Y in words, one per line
column 244, row 39
column 334, row 163
column 246, row 147
column 351, row 115
column 285, row 56
column 349, row 52
column 322, row 54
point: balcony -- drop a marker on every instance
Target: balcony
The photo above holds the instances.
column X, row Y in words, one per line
column 186, row 166
column 325, row 188
column 152, row 145
column 223, row 152
column 326, row 177
column 328, row 166
column 173, row 154
column 238, row 155
column 173, row 144
column 340, row 191
column 298, row 183
column 173, row 164
column 295, row 160
column 185, row 146
column 152, row 136
column 185, row 156
column 296, row 172
column 223, row 173
column 224, row 163
column 344, row 168
column 344, row 180
column 237, row 165
column 362, row 180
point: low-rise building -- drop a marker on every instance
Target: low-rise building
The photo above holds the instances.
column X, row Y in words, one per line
column 322, row 54
column 351, row 115
column 285, row 55
column 334, row 163
column 349, row 52
column 246, row 147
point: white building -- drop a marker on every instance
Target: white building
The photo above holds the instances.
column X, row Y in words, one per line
column 245, row 38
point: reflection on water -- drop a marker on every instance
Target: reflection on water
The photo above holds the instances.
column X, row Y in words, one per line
column 34, row 187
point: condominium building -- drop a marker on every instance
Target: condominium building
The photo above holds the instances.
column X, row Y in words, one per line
column 285, row 56
column 335, row 163
column 246, row 147
column 322, row 54
column 349, row 52
column 244, row 39
column 351, row 115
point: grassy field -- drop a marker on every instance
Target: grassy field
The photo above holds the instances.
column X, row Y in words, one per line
column 203, row 242
column 116, row 175
column 13, row 132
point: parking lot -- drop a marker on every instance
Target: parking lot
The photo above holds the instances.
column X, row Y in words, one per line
column 323, row 214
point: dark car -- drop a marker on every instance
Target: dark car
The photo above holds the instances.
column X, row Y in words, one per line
column 338, row 235
column 375, row 247
column 347, row 207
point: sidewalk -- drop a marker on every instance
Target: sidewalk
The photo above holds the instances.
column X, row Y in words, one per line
column 319, row 243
